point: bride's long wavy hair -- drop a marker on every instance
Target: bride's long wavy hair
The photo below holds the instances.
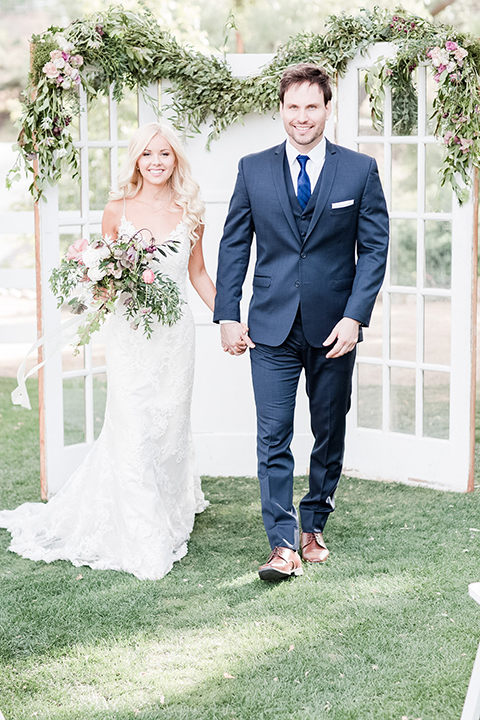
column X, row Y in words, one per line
column 186, row 192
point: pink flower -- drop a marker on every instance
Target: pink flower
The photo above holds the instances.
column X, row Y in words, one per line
column 148, row 276
column 459, row 54
column 466, row 144
column 447, row 137
column 76, row 60
column 451, row 46
column 76, row 250
column 56, row 55
column 437, row 77
column 50, row 70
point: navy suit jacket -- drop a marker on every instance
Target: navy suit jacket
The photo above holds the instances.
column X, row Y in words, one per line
column 336, row 270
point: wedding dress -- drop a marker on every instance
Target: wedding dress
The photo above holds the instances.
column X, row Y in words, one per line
column 131, row 504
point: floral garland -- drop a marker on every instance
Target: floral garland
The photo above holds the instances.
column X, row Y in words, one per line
column 120, row 48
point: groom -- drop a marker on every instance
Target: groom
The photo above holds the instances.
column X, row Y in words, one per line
column 320, row 220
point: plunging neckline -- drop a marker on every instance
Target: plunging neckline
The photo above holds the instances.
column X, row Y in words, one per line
column 125, row 221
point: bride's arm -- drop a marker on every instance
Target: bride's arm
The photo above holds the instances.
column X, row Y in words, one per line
column 199, row 277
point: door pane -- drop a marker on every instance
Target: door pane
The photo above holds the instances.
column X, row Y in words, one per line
column 372, row 344
column 403, row 252
column 377, row 151
column 403, row 326
column 437, row 198
column 438, row 253
column 437, row 330
column 69, row 190
column 405, row 108
column 74, row 410
column 98, row 119
column 370, row 396
column 99, row 401
column 365, row 125
column 436, row 404
column 404, row 177
column 402, row 400
column 99, row 177
column 127, row 115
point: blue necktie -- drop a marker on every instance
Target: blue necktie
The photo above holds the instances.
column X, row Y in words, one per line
column 303, row 187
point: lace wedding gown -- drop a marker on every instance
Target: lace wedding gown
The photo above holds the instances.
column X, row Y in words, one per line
column 131, row 504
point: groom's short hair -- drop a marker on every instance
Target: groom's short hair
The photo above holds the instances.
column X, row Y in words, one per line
column 306, row 72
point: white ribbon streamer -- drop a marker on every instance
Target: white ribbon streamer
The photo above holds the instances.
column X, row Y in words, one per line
column 61, row 338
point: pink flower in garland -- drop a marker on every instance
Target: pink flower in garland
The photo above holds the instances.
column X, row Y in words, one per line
column 447, row 137
column 148, row 276
column 451, row 46
column 50, row 70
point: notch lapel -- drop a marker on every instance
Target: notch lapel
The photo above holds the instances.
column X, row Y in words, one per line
column 281, row 188
column 326, row 179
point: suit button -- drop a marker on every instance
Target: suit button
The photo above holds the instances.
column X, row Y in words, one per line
column 303, row 234
column 303, row 256
column 297, row 284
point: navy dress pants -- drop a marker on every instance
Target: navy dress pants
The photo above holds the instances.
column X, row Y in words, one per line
column 275, row 374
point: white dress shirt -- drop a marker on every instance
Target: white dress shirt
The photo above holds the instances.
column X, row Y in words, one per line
column 316, row 158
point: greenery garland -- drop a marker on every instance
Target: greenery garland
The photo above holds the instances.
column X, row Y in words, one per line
column 124, row 49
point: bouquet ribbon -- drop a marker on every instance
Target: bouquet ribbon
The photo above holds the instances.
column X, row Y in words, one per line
column 59, row 339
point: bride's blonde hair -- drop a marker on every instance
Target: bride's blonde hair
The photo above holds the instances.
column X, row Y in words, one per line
column 186, row 192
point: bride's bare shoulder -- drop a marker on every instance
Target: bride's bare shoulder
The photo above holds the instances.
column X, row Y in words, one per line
column 113, row 210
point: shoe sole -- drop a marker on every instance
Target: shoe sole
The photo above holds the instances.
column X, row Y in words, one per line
column 272, row 575
column 318, row 562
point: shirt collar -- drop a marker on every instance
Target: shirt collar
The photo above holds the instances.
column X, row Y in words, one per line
column 316, row 155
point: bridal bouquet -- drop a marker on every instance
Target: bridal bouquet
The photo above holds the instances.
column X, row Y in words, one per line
column 93, row 275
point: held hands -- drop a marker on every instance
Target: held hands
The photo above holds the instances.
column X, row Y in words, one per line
column 345, row 333
column 234, row 338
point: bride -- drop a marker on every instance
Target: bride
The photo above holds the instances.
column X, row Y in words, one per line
column 131, row 504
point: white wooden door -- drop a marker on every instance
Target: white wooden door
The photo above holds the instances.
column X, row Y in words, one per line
column 411, row 417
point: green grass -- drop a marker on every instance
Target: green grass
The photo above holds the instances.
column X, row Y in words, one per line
column 384, row 631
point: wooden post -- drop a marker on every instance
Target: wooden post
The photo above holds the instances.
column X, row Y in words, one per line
column 38, row 289
column 473, row 398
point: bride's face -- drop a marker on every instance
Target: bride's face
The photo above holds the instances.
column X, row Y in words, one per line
column 157, row 162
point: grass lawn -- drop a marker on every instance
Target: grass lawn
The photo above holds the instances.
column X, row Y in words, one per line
column 384, row 631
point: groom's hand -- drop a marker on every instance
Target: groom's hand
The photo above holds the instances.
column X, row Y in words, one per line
column 345, row 333
column 234, row 338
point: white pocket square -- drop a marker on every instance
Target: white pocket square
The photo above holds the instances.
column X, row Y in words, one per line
column 344, row 203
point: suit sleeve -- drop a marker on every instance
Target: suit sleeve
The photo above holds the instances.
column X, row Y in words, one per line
column 234, row 253
column 372, row 247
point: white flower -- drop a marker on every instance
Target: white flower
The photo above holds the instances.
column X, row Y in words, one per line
column 95, row 273
column 91, row 257
column 66, row 83
column 451, row 66
column 64, row 43
column 103, row 251
column 59, row 63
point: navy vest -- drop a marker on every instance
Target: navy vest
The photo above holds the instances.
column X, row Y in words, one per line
column 303, row 218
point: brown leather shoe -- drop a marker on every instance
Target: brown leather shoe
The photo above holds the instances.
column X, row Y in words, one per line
column 313, row 547
column 282, row 564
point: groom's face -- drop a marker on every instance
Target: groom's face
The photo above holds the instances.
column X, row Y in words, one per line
column 304, row 115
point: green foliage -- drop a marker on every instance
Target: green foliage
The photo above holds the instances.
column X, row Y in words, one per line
column 122, row 49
